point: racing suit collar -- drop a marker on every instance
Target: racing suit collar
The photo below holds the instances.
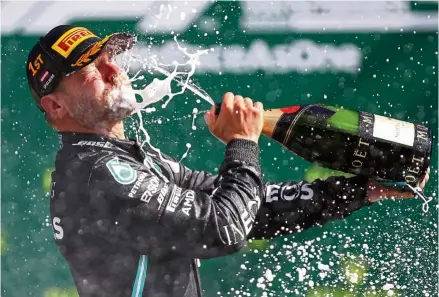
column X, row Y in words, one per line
column 69, row 138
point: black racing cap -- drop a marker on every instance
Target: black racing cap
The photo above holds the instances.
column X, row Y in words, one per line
column 64, row 50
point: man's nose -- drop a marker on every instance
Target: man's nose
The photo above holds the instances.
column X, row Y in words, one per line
column 110, row 70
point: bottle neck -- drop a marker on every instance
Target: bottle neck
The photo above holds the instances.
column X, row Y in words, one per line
column 271, row 117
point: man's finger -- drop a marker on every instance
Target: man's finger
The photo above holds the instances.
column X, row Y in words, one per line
column 238, row 104
column 207, row 118
column 258, row 106
column 210, row 117
column 248, row 102
column 425, row 180
column 228, row 101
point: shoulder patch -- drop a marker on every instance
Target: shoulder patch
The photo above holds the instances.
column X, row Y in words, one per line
column 122, row 172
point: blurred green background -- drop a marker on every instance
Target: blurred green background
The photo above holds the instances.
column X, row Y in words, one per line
column 378, row 57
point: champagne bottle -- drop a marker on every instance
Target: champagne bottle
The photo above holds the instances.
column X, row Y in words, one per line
column 351, row 141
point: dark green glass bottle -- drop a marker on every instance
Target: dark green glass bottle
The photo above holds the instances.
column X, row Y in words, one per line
column 352, row 141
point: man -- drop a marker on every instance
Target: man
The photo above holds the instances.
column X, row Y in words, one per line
column 132, row 224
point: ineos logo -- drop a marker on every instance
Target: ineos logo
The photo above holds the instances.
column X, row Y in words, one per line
column 289, row 192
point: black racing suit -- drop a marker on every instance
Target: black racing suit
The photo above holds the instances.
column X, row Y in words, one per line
column 134, row 224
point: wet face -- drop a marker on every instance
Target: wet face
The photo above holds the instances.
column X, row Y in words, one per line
column 98, row 93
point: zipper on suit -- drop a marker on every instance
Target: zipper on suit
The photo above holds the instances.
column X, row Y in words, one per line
column 197, row 277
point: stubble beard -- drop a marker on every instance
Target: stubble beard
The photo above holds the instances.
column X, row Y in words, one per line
column 116, row 105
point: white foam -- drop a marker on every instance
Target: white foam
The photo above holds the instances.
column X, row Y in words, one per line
column 302, row 273
column 269, row 275
column 158, row 89
column 188, row 147
column 388, row 287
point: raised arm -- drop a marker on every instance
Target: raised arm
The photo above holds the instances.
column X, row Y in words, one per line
column 291, row 206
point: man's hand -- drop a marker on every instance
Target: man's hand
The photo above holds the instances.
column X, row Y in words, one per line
column 377, row 192
column 239, row 118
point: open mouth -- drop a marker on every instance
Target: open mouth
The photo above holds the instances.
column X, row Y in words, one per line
column 124, row 96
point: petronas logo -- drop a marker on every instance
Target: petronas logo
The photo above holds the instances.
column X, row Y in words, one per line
column 123, row 173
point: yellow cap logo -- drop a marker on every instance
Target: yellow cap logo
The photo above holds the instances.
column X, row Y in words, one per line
column 71, row 39
column 86, row 57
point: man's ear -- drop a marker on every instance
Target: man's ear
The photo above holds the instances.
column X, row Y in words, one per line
column 51, row 105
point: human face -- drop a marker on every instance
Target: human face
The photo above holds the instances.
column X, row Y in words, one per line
column 98, row 93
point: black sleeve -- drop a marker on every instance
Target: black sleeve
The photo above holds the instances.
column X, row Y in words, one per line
column 152, row 214
column 293, row 206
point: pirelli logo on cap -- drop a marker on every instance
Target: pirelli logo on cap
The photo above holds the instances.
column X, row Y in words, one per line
column 71, row 39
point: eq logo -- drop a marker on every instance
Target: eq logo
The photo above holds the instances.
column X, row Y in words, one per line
column 71, row 39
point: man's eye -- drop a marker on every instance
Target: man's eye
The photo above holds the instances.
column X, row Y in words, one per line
column 89, row 68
